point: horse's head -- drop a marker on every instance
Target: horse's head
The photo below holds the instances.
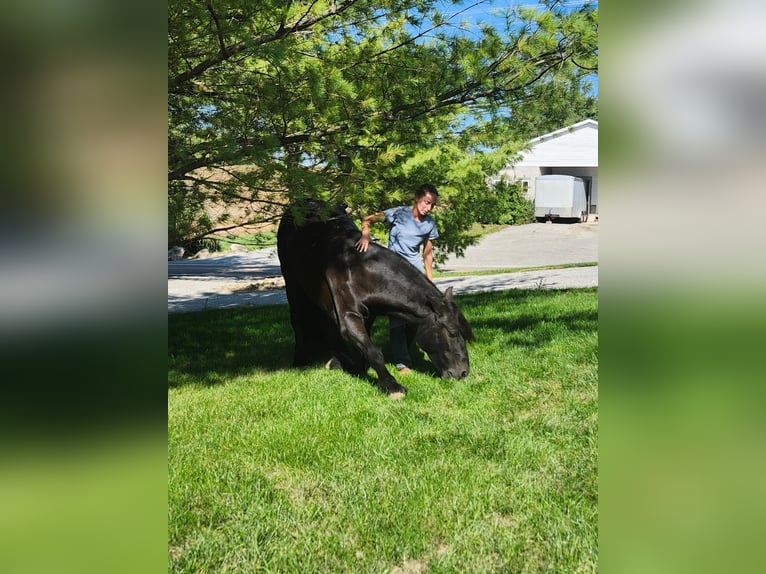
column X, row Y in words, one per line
column 443, row 334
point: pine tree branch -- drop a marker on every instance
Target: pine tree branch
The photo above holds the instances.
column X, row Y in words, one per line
column 226, row 52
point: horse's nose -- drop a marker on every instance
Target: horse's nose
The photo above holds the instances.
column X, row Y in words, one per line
column 456, row 374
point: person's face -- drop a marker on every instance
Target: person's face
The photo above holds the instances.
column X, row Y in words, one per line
column 425, row 204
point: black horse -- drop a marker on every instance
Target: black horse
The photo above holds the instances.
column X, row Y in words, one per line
column 335, row 293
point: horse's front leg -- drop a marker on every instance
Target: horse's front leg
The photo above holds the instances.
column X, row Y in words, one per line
column 355, row 333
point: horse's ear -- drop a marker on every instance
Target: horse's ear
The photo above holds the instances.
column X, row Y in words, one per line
column 448, row 293
column 435, row 304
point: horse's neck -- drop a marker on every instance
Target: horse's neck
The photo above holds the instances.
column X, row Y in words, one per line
column 412, row 289
column 413, row 301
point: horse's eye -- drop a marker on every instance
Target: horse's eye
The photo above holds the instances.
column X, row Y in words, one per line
column 450, row 331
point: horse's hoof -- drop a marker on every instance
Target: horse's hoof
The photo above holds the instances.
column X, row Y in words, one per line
column 395, row 389
column 333, row 364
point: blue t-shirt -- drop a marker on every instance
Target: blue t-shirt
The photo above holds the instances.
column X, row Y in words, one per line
column 407, row 234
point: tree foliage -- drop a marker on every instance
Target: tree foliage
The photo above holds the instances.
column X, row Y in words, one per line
column 504, row 203
column 361, row 101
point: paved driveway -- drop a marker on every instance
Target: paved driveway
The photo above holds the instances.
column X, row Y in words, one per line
column 245, row 279
column 533, row 245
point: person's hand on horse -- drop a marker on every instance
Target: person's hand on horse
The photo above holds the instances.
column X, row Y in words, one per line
column 363, row 243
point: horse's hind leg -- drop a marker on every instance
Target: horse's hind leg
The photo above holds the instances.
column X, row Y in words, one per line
column 312, row 330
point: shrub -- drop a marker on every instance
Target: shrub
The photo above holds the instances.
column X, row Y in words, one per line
column 504, row 203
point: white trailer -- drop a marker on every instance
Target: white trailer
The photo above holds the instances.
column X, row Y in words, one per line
column 560, row 196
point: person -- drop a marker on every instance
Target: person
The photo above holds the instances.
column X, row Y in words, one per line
column 411, row 228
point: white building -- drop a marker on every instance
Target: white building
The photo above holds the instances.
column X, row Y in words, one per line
column 569, row 151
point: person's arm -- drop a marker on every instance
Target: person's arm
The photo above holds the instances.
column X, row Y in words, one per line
column 428, row 258
column 364, row 242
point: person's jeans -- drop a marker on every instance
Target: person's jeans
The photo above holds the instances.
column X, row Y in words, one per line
column 400, row 353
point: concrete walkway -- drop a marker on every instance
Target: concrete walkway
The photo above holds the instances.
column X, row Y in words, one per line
column 235, row 280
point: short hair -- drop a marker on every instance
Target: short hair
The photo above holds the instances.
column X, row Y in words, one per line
column 426, row 188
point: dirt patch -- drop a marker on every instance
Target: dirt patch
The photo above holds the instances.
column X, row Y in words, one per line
column 413, row 566
column 265, row 284
column 410, row 567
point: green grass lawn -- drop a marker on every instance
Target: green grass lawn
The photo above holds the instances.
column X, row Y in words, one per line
column 275, row 469
column 250, row 241
column 475, row 273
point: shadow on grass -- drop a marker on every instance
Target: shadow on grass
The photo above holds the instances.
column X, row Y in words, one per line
column 528, row 317
column 210, row 347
